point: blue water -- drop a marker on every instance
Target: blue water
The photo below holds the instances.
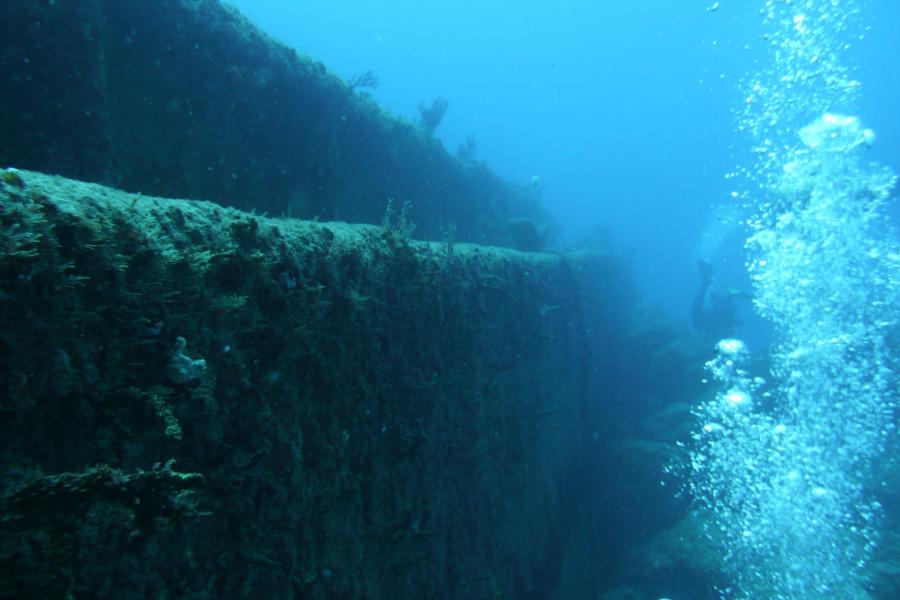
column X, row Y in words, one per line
column 688, row 129
column 622, row 109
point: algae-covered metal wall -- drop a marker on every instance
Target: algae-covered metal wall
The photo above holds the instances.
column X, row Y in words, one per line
column 185, row 98
column 198, row 402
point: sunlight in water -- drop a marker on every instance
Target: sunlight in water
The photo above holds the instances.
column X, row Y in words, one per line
column 789, row 472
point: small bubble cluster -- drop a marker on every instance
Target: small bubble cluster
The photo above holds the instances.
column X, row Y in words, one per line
column 787, row 471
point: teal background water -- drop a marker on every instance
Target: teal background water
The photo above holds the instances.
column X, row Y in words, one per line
column 623, row 110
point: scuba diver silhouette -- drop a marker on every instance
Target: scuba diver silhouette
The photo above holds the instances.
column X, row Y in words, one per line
column 715, row 315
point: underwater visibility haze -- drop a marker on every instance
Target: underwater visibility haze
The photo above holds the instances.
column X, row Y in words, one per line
column 532, row 300
column 624, row 111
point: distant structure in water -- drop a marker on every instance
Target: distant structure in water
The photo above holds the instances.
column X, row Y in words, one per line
column 788, row 472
